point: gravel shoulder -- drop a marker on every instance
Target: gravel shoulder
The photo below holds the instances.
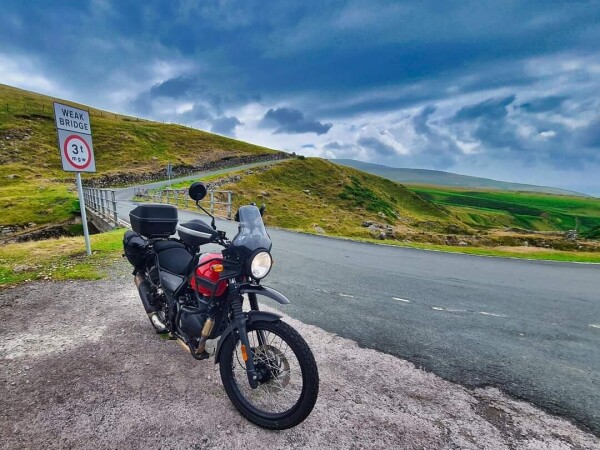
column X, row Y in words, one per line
column 81, row 368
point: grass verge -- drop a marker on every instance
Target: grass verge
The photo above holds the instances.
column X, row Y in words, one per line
column 59, row 259
column 530, row 254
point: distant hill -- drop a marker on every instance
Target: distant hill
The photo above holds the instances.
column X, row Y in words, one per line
column 441, row 178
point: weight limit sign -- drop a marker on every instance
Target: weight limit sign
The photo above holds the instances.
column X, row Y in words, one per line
column 77, row 153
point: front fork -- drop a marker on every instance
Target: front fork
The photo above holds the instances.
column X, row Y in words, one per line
column 240, row 323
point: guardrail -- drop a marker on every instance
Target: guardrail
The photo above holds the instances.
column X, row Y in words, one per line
column 103, row 203
column 220, row 203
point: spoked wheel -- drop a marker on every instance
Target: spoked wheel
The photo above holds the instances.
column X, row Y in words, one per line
column 287, row 375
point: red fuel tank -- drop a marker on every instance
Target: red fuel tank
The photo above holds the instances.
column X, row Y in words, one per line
column 207, row 277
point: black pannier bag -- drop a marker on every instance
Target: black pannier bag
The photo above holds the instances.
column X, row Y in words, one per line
column 154, row 221
column 135, row 248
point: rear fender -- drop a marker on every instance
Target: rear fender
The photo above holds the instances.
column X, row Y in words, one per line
column 253, row 316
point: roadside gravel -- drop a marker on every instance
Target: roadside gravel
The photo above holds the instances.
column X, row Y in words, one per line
column 81, row 368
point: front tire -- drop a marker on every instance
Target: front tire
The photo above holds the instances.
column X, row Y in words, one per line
column 289, row 379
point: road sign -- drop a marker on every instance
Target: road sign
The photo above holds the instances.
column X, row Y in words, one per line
column 76, row 151
column 74, row 138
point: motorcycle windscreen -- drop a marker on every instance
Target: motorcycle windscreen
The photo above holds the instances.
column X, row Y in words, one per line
column 252, row 235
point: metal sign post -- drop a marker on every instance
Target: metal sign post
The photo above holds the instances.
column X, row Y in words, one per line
column 76, row 151
column 169, row 173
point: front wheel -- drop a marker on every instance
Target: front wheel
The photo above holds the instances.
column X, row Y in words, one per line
column 287, row 373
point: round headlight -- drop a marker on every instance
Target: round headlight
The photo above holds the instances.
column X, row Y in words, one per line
column 261, row 265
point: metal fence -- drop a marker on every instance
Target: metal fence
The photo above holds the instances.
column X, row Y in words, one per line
column 102, row 202
column 218, row 203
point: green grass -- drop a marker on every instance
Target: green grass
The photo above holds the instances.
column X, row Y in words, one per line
column 34, row 188
column 59, row 259
column 526, row 210
column 544, row 255
column 44, row 202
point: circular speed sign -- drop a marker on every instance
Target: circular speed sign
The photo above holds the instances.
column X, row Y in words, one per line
column 77, row 152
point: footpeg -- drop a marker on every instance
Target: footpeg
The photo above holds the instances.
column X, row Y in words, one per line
column 201, row 356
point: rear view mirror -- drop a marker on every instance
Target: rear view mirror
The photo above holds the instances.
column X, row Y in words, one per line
column 197, row 191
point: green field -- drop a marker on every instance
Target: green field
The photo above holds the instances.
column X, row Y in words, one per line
column 523, row 210
column 33, row 187
column 59, row 259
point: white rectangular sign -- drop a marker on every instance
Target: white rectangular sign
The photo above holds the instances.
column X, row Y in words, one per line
column 72, row 119
column 74, row 139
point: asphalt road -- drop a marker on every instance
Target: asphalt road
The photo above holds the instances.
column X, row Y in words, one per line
column 529, row 328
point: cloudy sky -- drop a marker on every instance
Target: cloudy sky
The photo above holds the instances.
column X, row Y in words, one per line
column 503, row 89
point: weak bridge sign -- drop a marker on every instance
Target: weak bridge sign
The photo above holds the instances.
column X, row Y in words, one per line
column 74, row 138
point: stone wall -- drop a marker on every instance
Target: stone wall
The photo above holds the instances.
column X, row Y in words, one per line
column 121, row 179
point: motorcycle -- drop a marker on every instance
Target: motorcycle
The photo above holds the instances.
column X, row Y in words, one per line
column 268, row 371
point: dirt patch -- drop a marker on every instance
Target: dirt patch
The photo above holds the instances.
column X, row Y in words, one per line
column 81, row 368
column 524, row 250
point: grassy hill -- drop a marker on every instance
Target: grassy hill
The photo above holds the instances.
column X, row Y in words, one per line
column 33, row 187
column 441, row 178
column 308, row 194
column 525, row 210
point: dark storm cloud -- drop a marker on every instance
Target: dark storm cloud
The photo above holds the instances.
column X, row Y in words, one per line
column 332, row 47
column 174, row 87
column 377, row 146
column 590, row 136
column 198, row 112
column 289, row 120
column 493, row 108
column 420, row 121
column 543, row 104
column 438, row 149
column 225, row 125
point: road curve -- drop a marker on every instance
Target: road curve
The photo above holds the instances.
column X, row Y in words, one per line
column 530, row 328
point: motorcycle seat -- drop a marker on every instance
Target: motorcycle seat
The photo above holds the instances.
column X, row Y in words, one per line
column 173, row 257
column 166, row 244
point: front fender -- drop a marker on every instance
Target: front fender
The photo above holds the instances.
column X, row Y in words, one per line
column 257, row 289
column 252, row 316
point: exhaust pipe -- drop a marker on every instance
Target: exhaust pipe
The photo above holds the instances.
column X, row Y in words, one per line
column 206, row 330
column 144, row 291
column 158, row 324
column 143, row 286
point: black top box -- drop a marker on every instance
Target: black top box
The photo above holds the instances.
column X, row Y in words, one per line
column 154, row 221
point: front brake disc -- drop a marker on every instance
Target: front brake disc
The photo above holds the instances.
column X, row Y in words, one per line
column 276, row 363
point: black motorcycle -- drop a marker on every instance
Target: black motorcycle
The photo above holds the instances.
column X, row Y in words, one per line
column 267, row 369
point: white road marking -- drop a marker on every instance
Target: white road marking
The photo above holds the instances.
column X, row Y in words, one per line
column 491, row 314
column 401, row 299
column 437, row 308
column 456, row 310
column 595, row 325
column 345, row 295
